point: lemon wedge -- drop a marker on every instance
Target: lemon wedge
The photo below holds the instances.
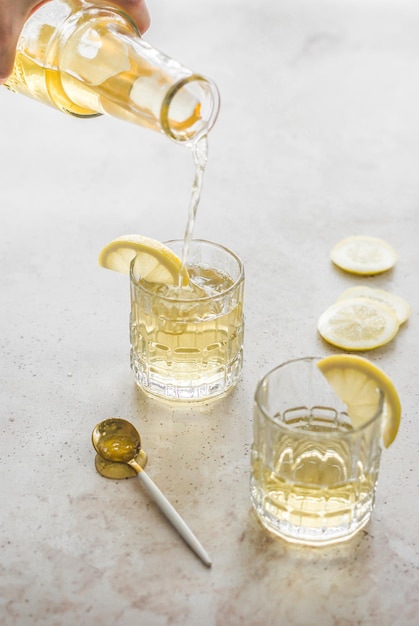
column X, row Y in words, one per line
column 358, row 324
column 363, row 255
column 357, row 382
column 398, row 304
column 157, row 262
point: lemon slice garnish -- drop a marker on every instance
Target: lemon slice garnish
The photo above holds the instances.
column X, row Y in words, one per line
column 398, row 304
column 357, row 381
column 358, row 324
column 363, row 255
column 157, row 262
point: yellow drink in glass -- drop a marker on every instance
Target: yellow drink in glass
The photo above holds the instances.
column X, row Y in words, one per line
column 187, row 342
column 313, row 475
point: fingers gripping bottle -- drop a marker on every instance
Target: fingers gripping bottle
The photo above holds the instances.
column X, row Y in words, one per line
column 88, row 59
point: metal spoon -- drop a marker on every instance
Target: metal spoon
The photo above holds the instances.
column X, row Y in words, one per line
column 117, row 440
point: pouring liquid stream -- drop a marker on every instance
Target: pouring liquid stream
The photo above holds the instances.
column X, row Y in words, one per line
column 200, row 156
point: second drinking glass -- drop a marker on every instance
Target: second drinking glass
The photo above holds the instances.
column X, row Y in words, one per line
column 313, row 475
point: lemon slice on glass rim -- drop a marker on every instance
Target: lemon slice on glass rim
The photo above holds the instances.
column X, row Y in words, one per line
column 357, row 382
column 158, row 264
column 358, row 324
column 362, row 254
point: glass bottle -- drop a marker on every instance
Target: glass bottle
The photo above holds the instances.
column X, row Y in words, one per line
column 89, row 59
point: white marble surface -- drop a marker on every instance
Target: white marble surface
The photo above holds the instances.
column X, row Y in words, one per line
column 318, row 139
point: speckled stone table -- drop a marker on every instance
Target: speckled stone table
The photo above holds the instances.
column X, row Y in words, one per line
column 317, row 139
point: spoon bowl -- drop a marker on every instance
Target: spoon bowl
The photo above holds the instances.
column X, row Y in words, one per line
column 116, row 440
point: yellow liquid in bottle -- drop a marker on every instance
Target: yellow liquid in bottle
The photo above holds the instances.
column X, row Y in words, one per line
column 99, row 72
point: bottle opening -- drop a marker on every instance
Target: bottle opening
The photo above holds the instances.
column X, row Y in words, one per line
column 190, row 108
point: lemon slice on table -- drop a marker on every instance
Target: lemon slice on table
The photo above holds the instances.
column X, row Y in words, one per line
column 358, row 324
column 398, row 304
column 157, row 262
column 363, row 255
column 356, row 381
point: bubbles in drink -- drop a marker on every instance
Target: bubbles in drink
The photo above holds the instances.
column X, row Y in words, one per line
column 204, row 282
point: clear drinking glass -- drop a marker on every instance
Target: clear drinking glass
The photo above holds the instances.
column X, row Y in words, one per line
column 313, row 476
column 187, row 343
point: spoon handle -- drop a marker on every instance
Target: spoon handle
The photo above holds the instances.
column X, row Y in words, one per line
column 173, row 516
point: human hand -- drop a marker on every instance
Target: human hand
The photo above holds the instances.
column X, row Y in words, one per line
column 14, row 13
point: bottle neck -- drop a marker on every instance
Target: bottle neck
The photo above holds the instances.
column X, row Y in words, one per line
column 189, row 108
